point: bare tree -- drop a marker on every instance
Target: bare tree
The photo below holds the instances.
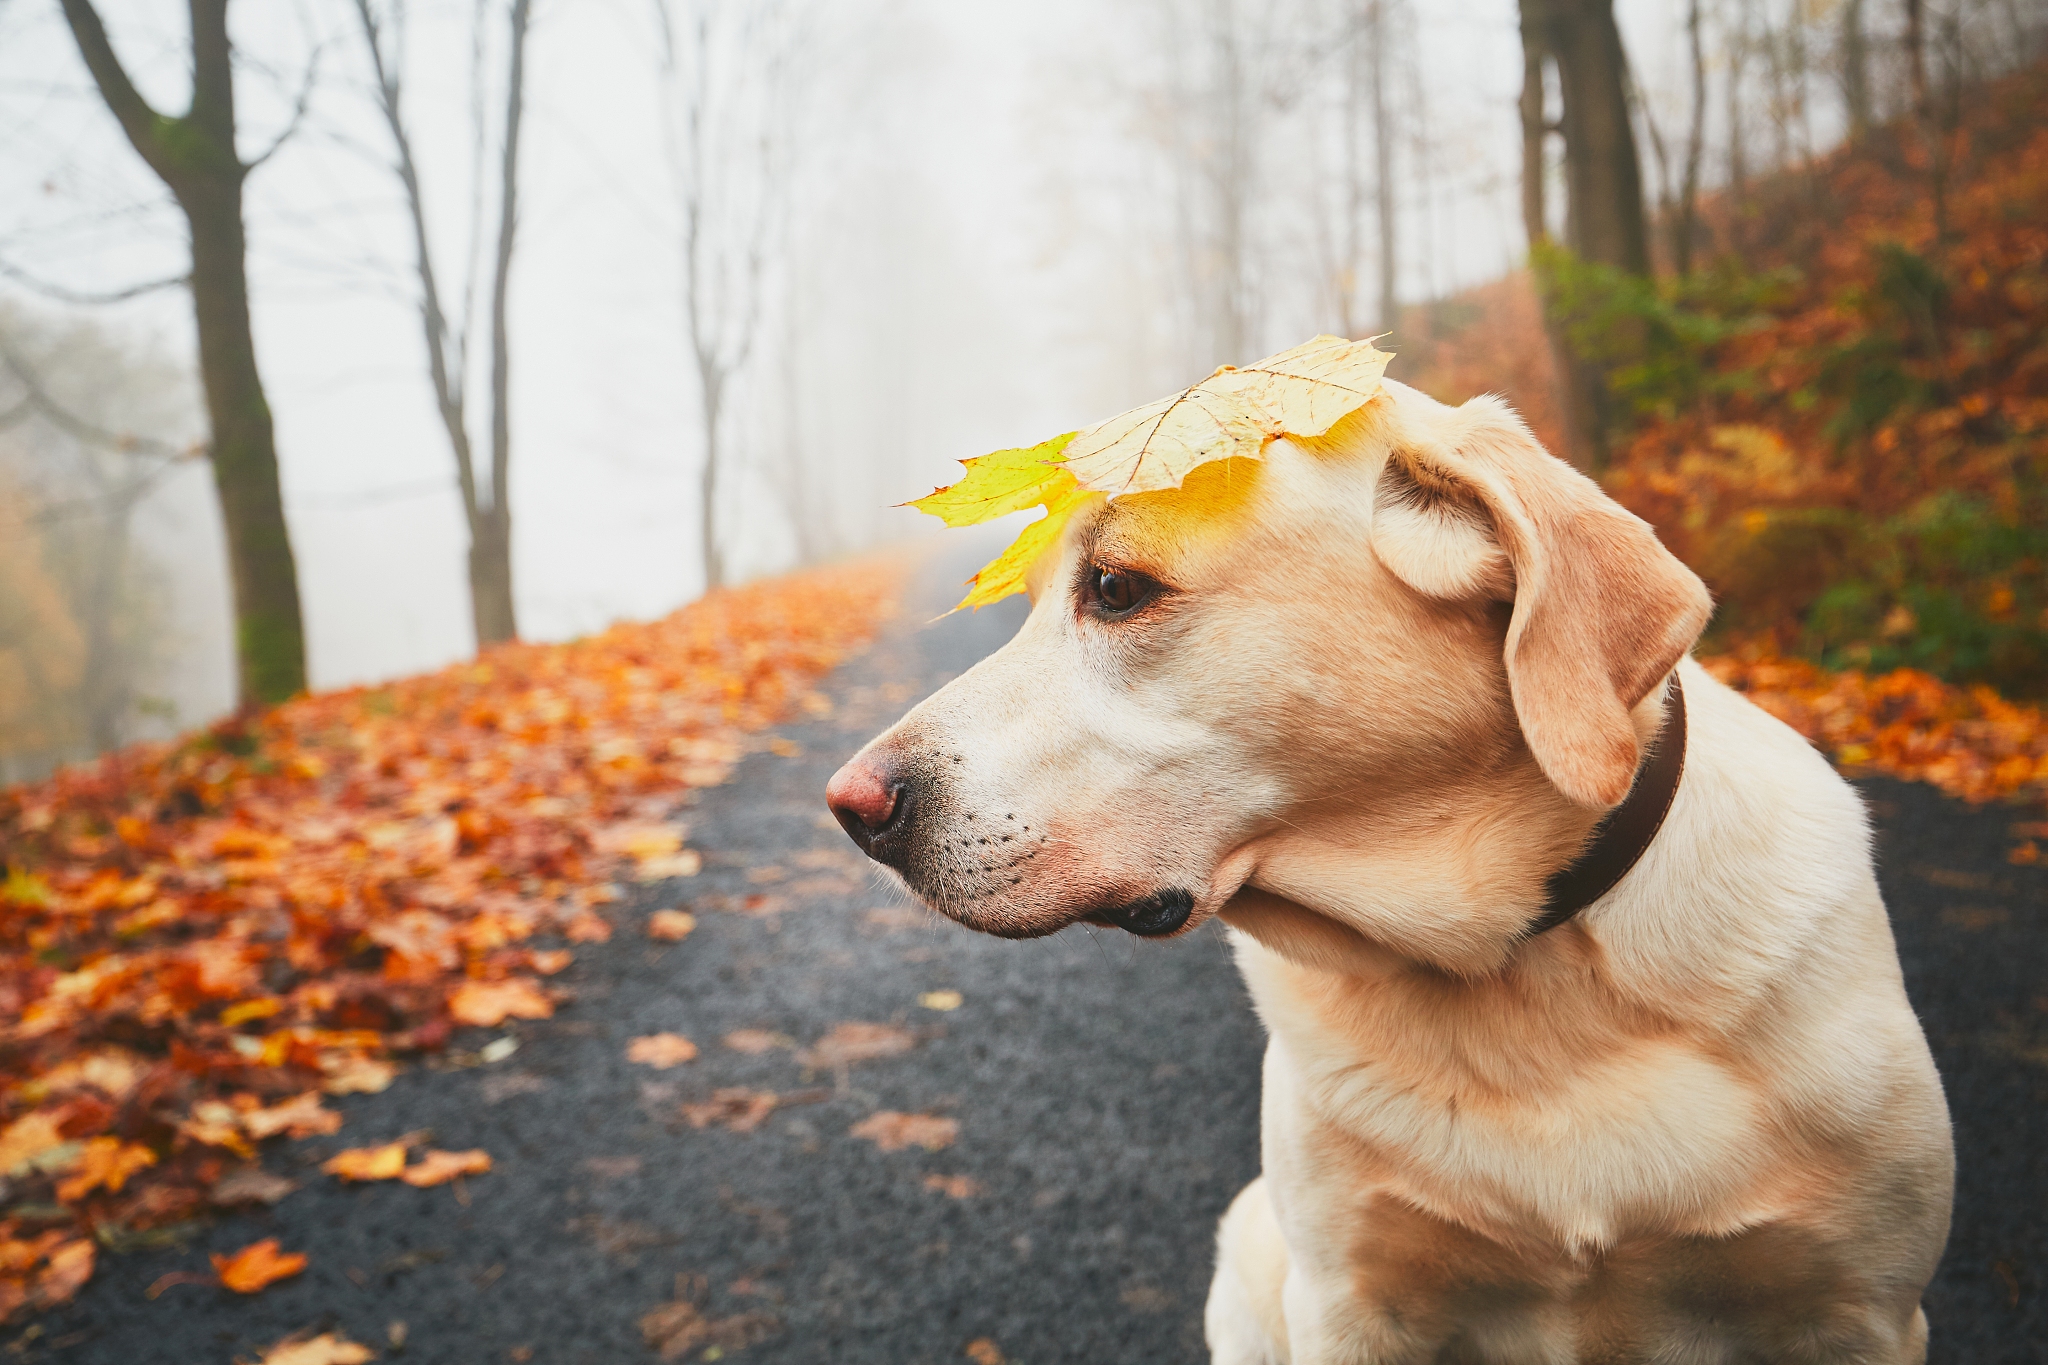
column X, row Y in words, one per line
column 723, row 75
column 486, row 505
column 195, row 155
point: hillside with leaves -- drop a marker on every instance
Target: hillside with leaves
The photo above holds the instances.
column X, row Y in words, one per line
column 201, row 941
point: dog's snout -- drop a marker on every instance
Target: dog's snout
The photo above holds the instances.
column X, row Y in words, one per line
column 869, row 800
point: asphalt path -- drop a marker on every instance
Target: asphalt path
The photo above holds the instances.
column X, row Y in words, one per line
column 1102, row 1092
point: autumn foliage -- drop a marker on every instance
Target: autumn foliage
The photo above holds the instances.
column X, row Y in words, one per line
column 1842, row 423
column 201, row 942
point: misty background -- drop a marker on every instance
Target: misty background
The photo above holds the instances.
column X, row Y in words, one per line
column 922, row 231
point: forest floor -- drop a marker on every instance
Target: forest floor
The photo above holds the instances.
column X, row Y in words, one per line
column 1020, row 1159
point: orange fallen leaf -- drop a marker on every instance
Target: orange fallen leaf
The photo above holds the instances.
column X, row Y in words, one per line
column 953, row 1186
column 588, row 927
column 892, row 1131
column 106, row 1163
column 325, row 1349
column 257, row 1266
column 368, row 1163
column 852, row 1042
column 489, row 1003
column 549, row 961
column 438, row 1168
column 27, row 1138
column 755, row 1041
column 355, row 1074
column 981, row 1350
column 670, row 925
column 300, row 1116
column 661, row 1050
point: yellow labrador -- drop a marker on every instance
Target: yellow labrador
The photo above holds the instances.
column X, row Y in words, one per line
column 1539, row 1088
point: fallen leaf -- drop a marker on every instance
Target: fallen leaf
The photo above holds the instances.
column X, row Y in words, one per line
column 438, row 1168
column 549, row 961
column 755, row 1041
column 257, row 1266
column 661, row 1050
column 300, row 1116
column 487, row 1004
column 940, row 1000
column 68, row 1268
column 688, row 863
column 676, row 1329
column 984, row 1351
column 953, row 1186
column 670, row 925
column 735, row 1108
column 368, row 1163
column 325, row 1349
column 106, row 1163
column 251, row 1185
column 588, row 927
column 27, row 1138
column 355, row 1074
column 852, row 1042
column 892, row 1131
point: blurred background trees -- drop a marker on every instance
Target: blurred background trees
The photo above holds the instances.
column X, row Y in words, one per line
column 1767, row 266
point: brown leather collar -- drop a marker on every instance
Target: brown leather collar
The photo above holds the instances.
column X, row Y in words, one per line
column 1622, row 835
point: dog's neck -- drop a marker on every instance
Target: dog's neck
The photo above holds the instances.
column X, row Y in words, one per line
column 1457, row 888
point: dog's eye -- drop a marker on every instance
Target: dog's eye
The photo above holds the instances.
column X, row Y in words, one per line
column 1119, row 592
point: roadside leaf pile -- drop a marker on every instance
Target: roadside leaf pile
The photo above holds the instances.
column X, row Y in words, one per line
column 1303, row 391
column 202, row 942
column 1968, row 741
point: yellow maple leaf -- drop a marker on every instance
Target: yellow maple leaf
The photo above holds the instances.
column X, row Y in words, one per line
column 1155, row 446
column 1000, row 483
column 1302, row 391
column 325, row 1349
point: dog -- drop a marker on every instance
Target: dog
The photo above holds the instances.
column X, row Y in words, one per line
column 1370, row 700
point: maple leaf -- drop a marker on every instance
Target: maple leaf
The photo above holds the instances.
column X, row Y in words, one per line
column 983, row 1351
column 1000, row 483
column 368, row 1163
column 438, row 1168
column 1303, row 391
column 490, row 1003
column 670, row 925
column 257, row 1266
column 106, row 1163
column 892, row 1131
column 661, row 1050
column 325, row 1349
column 588, row 927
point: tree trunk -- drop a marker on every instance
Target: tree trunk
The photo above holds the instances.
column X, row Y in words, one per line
column 195, row 157
column 1855, row 59
column 490, row 554
column 713, row 390
column 1685, row 223
column 1383, row 167
column 1604, row 218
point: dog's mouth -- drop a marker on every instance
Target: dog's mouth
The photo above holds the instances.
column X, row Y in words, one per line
column 1153, row 916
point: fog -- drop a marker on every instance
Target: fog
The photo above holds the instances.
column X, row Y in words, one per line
column 983, row 243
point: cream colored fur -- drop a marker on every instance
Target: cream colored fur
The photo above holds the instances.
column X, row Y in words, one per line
column 1398, row 675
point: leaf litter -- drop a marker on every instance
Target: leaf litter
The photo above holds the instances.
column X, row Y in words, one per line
column 287, row 904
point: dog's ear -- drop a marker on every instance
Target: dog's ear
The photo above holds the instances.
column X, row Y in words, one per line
column 1470, row 505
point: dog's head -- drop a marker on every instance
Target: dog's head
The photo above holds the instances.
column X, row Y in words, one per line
column 1350, row 650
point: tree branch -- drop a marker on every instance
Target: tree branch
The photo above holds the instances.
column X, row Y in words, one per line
column 61, row 417
column 298, row 109
column 137, row 118
column 64, row 295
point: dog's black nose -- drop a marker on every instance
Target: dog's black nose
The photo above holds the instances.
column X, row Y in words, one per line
column 871, row 803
